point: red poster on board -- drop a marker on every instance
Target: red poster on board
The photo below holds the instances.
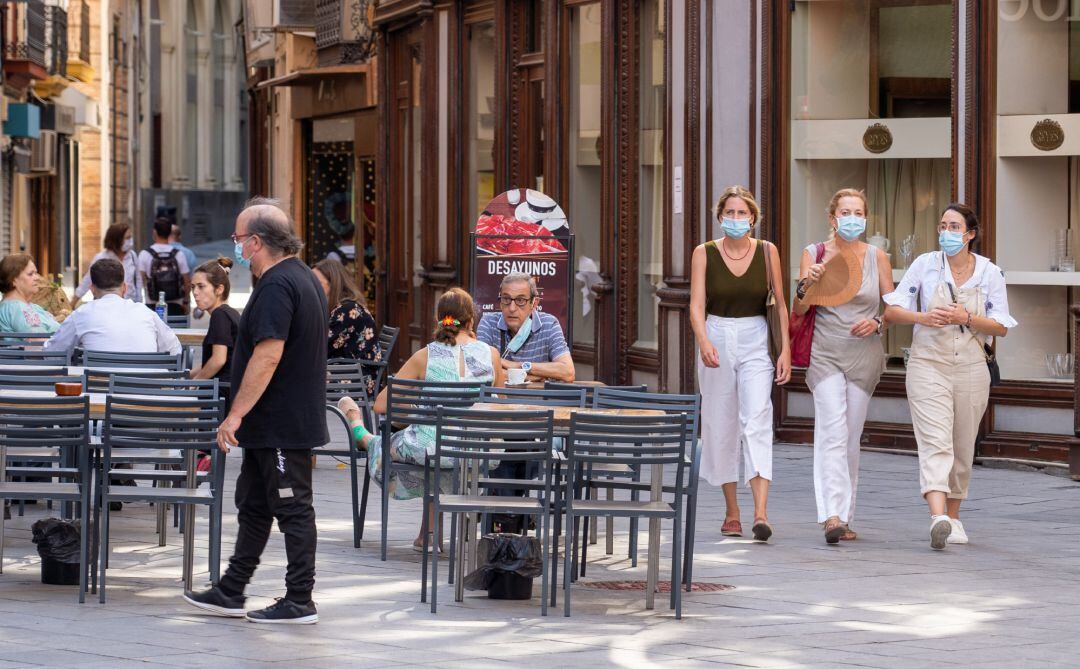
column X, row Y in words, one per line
column 525, row 231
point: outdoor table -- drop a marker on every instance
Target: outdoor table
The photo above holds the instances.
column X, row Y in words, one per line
column 561, row 417
column 539, row 385
column 97, row 400
column 190, row 336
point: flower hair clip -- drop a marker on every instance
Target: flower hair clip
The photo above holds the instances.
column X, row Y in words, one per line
column 449, row 320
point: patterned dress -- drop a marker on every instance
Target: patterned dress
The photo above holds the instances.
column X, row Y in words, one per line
column 415, row 442
column 352, row 335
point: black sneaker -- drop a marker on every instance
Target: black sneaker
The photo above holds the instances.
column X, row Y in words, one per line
column 285, row 612
column 216, row 601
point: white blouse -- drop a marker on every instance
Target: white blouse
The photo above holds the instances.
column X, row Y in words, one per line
column 131, row 277
column 928, row 270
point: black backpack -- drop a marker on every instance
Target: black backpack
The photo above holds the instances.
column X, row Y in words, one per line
column 347, row 259
column 165, row 276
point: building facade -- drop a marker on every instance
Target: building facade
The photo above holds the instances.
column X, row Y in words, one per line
column 634, row 115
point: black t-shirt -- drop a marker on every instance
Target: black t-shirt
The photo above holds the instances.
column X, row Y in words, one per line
column 287, row 304
column 224, row 324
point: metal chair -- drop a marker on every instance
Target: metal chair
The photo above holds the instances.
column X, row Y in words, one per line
column 44, row 381
column 178, row 320
column 200, row 389
column 23, row 340
column 548, row 397
column 98, row 380
column 613, row 398
column 48, row 425
column 640, row 441
column 590, row 390
column 166, row 423
column 416, row 403
column 347, row 379
column 387, row 338
column 474, row 439
column 35, row 356
column 166, row 361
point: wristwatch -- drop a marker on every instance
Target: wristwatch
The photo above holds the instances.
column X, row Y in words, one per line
column 526, row 366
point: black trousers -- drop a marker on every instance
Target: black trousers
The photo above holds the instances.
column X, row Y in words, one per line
column 274, row 483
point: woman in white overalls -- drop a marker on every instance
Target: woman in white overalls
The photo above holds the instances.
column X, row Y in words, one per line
column 957, row 302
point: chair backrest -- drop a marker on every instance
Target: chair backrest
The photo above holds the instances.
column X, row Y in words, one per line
column 205, row 389
column 410, row 402
column 346, row 376
column 387, row 338
column 114, row 359
column 46, row 423
column 177, row 320
column 590, row 390
column 506, row 436
column 178, row 423
column 617, row 398
column 32, row 370
column 23, row 340
column 627, row 440
column 34, row 356
column 97, row 381
column 37, row 381
column 546, row 397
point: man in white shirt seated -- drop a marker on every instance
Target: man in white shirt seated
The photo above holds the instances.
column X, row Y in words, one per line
column 111, row 323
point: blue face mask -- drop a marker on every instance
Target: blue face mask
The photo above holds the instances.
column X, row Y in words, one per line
column 850, row 227
column 951, row 242
column 238, row 251
column 735, row 228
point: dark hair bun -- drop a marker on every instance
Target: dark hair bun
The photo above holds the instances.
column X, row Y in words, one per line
column 226, row 263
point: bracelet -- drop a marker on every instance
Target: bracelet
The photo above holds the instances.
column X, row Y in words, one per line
column 970, row 317
column 880, row 323
column 800, row 289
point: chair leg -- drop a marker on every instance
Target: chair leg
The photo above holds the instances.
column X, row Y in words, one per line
column 84, row 540
column 676, row 564
column 103, row 559
column 355, row 498
column 435, row 564
column 567, row 569
column 557, row 509
column 215, row 538
column 2, row 522
column 545, row 536
column 424, row 559
column 385, row 505
column 610, row 526
column 691, row 532
column 453, row 553
column 363, row 501
column 593, row 520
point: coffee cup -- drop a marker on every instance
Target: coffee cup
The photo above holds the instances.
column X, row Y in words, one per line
column 516, row 377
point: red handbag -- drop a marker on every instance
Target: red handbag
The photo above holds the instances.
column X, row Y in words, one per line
column 801, row 328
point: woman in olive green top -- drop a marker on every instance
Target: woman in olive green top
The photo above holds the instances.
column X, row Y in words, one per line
column 729, row 284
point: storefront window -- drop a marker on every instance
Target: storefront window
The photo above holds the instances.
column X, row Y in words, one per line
column 1037, row 186
column 481, row 110
column 871, row 86
column 584, row 156
column 652, row 103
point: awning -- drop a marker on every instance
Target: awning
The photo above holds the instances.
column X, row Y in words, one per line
column 317, row 74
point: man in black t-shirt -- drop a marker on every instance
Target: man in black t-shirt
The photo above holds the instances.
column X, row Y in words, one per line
column 277, row 416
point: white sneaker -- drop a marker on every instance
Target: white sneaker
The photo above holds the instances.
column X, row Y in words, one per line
column 940, row 529
column 958, row 535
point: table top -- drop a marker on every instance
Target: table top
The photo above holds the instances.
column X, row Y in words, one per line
column 561, row 415
column 539, row 385
column 191, row 336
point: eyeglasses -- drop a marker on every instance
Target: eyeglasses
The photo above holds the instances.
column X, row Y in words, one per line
column 951, row 227
column 505, row 300
column 236, row 238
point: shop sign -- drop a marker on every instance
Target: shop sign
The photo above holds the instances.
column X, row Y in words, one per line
column 1047, row 135
column 877, row 138
column 525, row 231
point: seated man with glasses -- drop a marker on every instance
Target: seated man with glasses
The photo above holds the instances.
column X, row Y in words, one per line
column 525, row 337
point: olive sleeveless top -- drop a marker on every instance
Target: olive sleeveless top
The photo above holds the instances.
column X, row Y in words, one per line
column 730, row 296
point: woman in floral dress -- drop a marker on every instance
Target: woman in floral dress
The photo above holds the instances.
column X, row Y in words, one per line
column 352, row 327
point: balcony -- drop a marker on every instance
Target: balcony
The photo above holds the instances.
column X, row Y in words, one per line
column 24, row 54
column 343, row 33
column 78, row 42
column 56, row 41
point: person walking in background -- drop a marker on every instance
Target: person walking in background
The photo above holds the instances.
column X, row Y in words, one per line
column 345, row 252
column 277, row 415
column 20, row 281
column 729, row 287
column 352, row 327
column 174, row 239
column 118, row 246
column 525, row 337
column 112, row 323
column 164, row 269
column 957, row 301
column 847, row 358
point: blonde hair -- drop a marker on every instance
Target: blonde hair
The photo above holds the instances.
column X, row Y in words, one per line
column 747, row 197
column 842, row 193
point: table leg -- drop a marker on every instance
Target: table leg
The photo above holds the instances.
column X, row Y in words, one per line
column 189, row 520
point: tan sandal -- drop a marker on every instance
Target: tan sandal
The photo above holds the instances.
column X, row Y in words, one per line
column 833, row 530
column 849, row 534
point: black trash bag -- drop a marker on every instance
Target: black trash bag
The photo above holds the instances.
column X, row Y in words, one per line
column 502, row 554
column 57, row 540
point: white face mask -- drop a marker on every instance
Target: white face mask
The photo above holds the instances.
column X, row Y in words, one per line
column 128, row 245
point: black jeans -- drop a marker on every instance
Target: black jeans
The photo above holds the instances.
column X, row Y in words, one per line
column 274, row 483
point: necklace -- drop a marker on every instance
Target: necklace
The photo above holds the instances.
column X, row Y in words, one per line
column 723, row 245
column 957, row 274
